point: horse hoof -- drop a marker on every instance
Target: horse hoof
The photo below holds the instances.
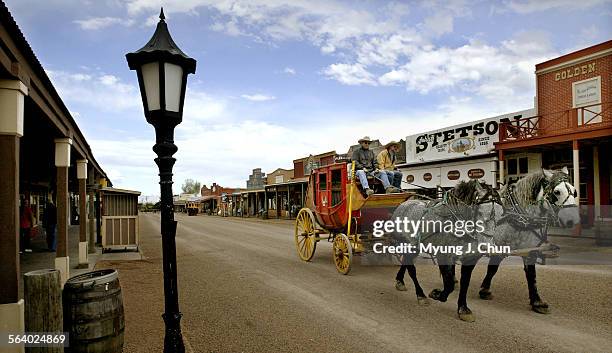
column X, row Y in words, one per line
column 423, row 301
column 465, row 314
column 436, row 294
column 540, row 307
column 400, row 286
column 485, row 294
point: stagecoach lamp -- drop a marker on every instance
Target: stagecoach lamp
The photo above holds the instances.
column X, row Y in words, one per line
column 162, row 70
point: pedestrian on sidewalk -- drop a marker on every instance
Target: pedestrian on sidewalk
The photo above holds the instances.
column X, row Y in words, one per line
column 50, row 223
column 26, row 222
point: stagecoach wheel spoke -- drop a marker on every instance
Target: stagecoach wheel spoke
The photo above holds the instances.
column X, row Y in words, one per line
column 343, row 253
column 305, row 234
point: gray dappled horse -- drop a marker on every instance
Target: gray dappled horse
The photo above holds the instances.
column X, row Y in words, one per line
column 468, row 201
column 531, row 204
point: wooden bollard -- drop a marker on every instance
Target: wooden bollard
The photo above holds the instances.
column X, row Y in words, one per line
column 42, row 294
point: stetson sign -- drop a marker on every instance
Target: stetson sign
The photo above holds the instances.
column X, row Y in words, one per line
column 472, row 139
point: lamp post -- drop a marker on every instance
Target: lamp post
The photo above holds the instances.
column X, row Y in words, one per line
column 162, row 70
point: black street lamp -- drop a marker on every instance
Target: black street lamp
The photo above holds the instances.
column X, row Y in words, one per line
column 162, row 70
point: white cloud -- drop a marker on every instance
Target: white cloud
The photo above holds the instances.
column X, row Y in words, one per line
column 439, row 23
column 258, row 97
column 289, row 71
column 102, row 91
column 96, row 23
column 530, row 6
column 350, row 74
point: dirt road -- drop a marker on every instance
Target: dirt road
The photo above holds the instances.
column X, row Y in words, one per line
column 243, row 289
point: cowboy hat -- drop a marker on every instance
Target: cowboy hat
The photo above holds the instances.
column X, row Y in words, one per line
column 392, row 143
column 364, row 139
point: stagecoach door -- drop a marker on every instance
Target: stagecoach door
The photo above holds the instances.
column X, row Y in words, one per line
column 322, row 190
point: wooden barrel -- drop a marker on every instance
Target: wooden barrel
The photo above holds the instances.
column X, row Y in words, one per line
column 93, row 312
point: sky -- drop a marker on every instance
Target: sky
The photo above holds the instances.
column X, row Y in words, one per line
column 279, row 80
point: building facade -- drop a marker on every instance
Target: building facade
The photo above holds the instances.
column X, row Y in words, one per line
column 440, row 158
column 572, row 127
column 44, row 159
column 256, row 180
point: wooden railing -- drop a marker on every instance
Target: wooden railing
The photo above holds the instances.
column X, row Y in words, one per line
column 590, row 117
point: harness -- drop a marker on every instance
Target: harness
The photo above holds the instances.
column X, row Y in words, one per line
column 517, row 216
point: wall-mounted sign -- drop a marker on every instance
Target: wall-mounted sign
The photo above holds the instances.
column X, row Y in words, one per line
column 575, row 71
column 470, row 139
column 476, row 173
column 587, row 92
column 427, row 176
column 453, row 175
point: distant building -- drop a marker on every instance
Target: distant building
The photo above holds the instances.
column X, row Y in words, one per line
column 303, row 166
column 257, row 180
column 280, row 175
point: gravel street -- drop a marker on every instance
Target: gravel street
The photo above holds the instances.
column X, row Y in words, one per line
column 244, row 289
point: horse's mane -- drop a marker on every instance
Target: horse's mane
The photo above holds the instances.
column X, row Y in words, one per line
column 526, row 190
column 465, row 191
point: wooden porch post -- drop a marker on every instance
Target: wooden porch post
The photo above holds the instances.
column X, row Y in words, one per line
column 278, row 211
column 302, row 194
column 82, row 177
column 9, row 213
column 288, row 198
column 576, row 166
column 62, row 163
column 596, row 183
column 12, row 93
column 91, row 247
column 502, row 172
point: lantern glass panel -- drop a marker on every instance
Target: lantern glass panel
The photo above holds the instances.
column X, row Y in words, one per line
column 174, row 82
column 150, row 76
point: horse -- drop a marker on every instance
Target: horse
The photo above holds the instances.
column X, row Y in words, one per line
column 533, row 203
column 468, row 201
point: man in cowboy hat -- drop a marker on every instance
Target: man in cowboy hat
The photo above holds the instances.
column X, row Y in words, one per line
column 386, row 163
column 366, row 164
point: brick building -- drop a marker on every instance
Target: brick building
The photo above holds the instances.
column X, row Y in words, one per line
column 572, row 127
column 303, row 166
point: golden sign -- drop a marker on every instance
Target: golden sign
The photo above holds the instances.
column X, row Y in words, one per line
column 575, row 71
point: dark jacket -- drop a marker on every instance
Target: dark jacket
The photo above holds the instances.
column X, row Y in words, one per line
column 364, row 159
column 50, row 216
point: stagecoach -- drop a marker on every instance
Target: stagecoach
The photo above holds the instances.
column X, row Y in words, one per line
column 334, row 197
column 193, row 207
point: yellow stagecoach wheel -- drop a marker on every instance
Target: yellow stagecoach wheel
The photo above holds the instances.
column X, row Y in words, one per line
column 305, row 234
column 343, row 253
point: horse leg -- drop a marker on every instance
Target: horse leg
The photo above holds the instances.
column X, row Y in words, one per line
column 463, row 311
column 399, row 278
column 449, row 284
column 485, row 292
column 421, row 297
column 535, row 301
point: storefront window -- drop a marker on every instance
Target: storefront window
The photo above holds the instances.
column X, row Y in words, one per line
column 512, row 166
column 523, row 165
